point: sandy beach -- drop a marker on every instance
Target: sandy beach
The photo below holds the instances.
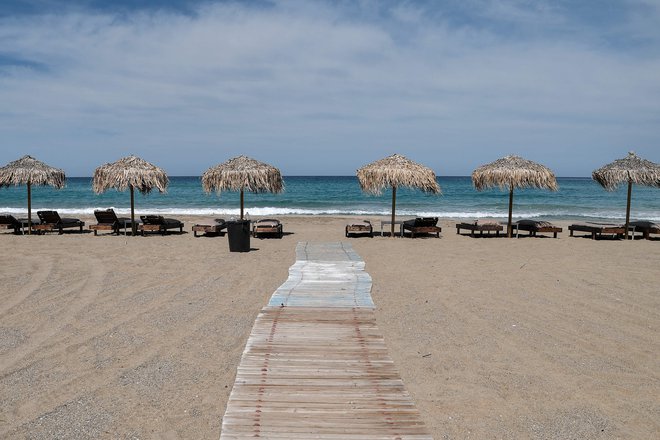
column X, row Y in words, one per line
column 139, row 338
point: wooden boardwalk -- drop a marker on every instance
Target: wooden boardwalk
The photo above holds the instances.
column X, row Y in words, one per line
column 315, row 365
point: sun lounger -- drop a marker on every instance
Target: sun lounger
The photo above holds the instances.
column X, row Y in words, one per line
column 267, row 226
column 646, row 228
column 209, row 227
column 422, row 225
column 359, row 227
column 107, row 220
column 158, row 223
column 19, row 225
column 480, row 226
column 534, row 227
column 597, row 230
column 51, row 221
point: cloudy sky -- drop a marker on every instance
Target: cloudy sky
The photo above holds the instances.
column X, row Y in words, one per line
column 323, row 87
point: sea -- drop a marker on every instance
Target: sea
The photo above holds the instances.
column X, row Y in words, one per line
column 577, row 199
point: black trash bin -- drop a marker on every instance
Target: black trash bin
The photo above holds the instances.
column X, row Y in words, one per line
column 238, row 232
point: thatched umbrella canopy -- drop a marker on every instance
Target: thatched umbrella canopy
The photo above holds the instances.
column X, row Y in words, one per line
column 28, row 170
column 631, row 169
column 513, row 172
column 132, row 173
column 395, row 171
column 243, row 173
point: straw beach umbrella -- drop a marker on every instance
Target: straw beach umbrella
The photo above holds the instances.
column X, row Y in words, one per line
column 395, row 171
column 242, row 174
column 132, row 173
column 28, row 170
column 513, row 172
column 631, row 169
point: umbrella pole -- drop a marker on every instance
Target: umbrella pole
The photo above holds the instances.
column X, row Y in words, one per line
column 509, row 229
column 29, row 208
column 133, row 225
column 628, row 207
column 393, row 210
column 241, row 203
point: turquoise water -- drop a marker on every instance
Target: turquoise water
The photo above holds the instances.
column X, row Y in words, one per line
column 577, row 198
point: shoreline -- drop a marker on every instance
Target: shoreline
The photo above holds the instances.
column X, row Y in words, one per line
column 576, row 200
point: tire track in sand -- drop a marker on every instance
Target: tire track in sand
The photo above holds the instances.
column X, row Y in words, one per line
column 89, row 290
column 42, row 270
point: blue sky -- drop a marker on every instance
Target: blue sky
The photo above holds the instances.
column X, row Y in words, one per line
column 323, row 87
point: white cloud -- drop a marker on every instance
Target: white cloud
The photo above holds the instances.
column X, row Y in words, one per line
column 318, row 90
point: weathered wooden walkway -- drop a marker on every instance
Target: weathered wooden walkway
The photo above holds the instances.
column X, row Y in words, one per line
column 315, row 365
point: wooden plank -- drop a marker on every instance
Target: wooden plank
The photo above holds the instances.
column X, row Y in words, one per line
column 316, row 365
column 150, row 228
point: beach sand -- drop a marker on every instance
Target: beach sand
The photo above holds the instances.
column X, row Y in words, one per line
column 121, row 337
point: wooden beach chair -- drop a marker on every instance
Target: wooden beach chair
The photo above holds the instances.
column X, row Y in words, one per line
column 267, row 226
column 363, row 227
column 209, row 227
column 646, row 228
column 19, row 225
column 422, row 225
column 480, row 226
column 107, row 220
column 158, row 223
column 597, row 230
column 51, row 221
column 534, row 227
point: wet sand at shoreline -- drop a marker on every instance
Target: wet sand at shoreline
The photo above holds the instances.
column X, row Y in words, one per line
column 121, row 337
